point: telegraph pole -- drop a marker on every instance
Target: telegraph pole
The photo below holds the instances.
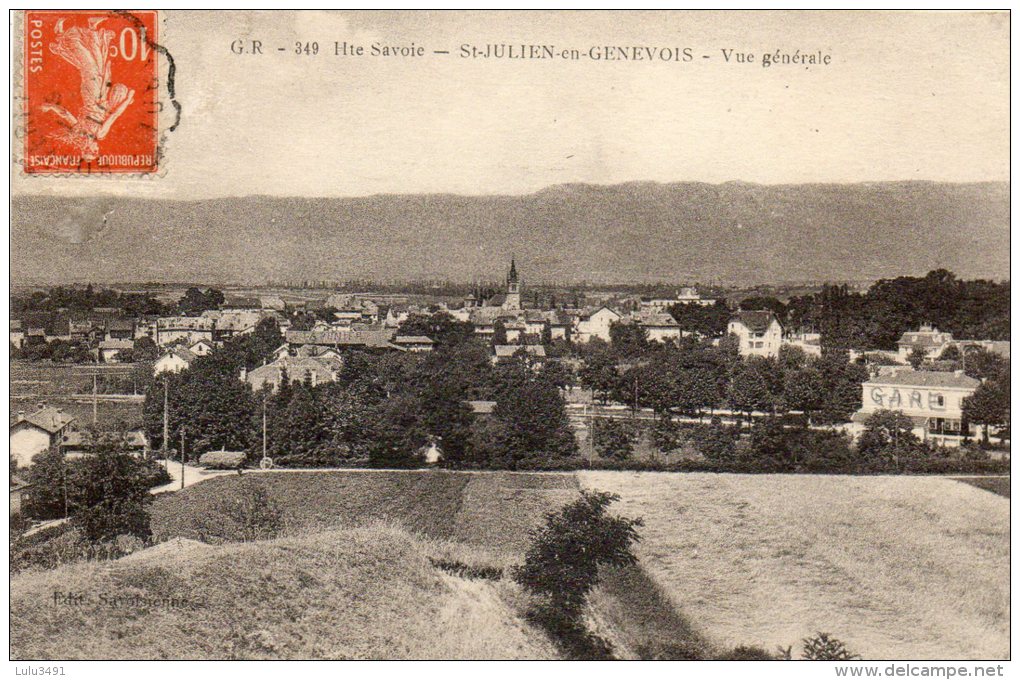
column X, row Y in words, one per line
column 166, row 422
column 182, row 456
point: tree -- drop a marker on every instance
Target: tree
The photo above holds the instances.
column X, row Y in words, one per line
column 499, row 333
column 888, row 436
column 716, row 442
column 628, row 340
column 916, row 358
column 770, row 448
column 559, row 373
column 534, row 418
column 754, row 385
column 613, row 438
column 562, row 565
column 989, row 405
column 196, row 301
column 442, row 328
column 984, row 365
column 759, row 302
column 599, row 374
column 48, row 477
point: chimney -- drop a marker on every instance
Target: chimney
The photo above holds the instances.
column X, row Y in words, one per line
column 244, row 373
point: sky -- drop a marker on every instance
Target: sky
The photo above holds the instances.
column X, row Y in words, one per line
column 905, row 96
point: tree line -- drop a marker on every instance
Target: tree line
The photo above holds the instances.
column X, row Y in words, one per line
column 382, row 410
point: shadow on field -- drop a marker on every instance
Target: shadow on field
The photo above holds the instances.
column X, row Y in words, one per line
column 642, row 622
column 997, row 485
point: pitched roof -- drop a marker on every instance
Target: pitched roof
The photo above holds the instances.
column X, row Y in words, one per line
column 51, row 419
column 116, row 344
column 510, row 350
column 375, row 339
column 657, row 320
column 481, row 406
column 909, row 378
column 414, row 340
column 134, row 439
column 757, row 321
column 924, row 338
column 182, row 353
column 297, row 368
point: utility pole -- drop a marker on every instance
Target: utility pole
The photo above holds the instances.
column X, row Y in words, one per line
column 264, row 398
column 182, row 456
column 166, row 422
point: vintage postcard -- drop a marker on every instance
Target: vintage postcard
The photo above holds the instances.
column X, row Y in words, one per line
column 511, row 335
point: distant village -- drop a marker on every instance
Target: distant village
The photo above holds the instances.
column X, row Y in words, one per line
column 924, row 377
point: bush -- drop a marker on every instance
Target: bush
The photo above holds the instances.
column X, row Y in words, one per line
column 242, row 511
column 109, row 519
column 613, row 438
column 223, row 460
column 746, row 653
column 823, row 647
column 562, row 566
column 63, row 544
column 19, row 525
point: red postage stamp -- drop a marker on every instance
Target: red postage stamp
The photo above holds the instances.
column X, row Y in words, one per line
column 90, row 92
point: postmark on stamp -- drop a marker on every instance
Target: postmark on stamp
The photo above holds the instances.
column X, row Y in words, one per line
column 91, row 81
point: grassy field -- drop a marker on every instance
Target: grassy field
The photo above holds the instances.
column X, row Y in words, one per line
column 365, row 593
column 897, row 567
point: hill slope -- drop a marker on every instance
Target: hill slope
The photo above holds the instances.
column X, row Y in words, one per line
column 639, row 232
column 362, row 593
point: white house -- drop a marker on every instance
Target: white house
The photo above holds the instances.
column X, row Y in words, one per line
column 175, row 360
column 596, row 324
column 191, row 329
column 927, row 339
column 109, row 350
column 659, row 327
column 316, row 370
column 932, row 399
column 759, row 332
column 685, row 296
column 202, row 348
column 506, row 352
column 36, row 433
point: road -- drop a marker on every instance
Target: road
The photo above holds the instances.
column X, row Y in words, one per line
column 192, row 475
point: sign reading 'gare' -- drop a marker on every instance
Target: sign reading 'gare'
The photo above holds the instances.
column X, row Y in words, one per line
column 892, row 398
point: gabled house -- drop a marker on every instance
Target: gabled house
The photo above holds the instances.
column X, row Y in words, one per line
column 759, row 332
column 35, row 433
column 316, row 370
column 174, row 360
column 109, row 350
column 596, row 324
column 506, row 352
column 201, row 348
column 927, row 339
column 659, row 326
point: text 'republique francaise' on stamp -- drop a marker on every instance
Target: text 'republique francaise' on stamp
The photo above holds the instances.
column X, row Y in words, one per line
column 93, row 103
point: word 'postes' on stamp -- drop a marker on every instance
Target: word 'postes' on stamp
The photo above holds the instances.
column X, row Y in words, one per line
column 91, row 85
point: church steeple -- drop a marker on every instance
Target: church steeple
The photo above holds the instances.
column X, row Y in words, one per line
column 513, row 288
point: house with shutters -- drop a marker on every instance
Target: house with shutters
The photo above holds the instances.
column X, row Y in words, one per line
column 933, row 400
column 759, row 332
column 36, row 432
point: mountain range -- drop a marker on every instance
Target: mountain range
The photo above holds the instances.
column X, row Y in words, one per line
column 637, row 232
